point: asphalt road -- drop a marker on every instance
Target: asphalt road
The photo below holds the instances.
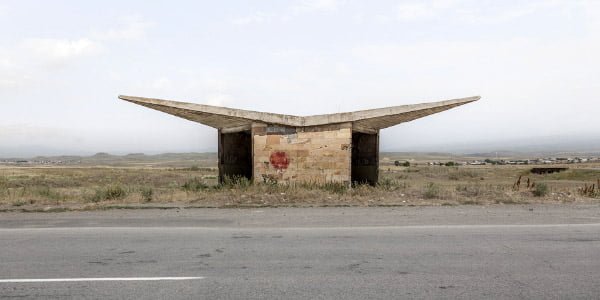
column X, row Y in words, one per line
column 527, row 252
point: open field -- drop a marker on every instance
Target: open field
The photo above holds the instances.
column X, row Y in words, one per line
column 193, row 182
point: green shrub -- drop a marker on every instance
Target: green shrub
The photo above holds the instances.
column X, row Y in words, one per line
column 540, row 190
column 194, row 185
column 402, row 163
column 460, row 174
column 387, row 184
column 431, row 191
column 470, row 190
column 235, row 182
column 18, row 203
column 147, row 194
column 113, row 192
column 47, row 193
column 335, row 187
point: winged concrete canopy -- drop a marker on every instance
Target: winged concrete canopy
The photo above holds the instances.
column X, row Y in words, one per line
column 230, row 120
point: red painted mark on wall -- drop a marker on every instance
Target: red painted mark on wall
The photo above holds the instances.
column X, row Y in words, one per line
column 279, row 160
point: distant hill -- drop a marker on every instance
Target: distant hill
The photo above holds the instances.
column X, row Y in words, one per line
column 549, row 146
column 134, row 159
column 535, row 146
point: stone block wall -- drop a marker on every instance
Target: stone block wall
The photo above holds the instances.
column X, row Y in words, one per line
column 302, row 154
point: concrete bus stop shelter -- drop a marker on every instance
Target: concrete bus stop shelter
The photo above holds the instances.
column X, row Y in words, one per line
column 270, row 147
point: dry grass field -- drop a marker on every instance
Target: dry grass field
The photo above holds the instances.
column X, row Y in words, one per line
column 170, row 184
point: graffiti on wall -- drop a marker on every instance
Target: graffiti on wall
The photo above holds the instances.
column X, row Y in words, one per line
column 279, row 160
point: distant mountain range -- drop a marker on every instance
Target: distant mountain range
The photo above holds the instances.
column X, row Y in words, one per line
column 537, row 146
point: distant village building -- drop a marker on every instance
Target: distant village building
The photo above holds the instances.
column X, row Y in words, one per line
column 342, row 147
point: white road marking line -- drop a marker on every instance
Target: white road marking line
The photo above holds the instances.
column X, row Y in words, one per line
column 97, row 279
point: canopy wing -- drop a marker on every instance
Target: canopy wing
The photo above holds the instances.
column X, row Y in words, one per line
column 228, row 118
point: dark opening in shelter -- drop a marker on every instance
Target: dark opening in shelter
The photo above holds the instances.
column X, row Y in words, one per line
column 235, row 155
column 365, row 158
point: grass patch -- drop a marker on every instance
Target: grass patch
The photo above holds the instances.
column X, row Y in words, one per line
column 335, row 188
column 462, row 174
column 177, row 182
column 194, row 185
column 18, row 203
column 331, row 187
column 575, row 175
column 112, row 192
column 147, row 194
column 47, row 193
column 540, row 190
column 235, row 182
column 470, row 190
column 431, row 191
column 387, row 184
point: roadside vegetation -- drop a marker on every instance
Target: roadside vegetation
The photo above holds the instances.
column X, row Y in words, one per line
column 399, row 184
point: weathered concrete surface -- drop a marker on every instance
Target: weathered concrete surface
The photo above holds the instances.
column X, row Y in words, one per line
column 302, row 154
column 229, row 118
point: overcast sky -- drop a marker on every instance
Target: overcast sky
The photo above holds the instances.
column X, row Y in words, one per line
column 63, row 64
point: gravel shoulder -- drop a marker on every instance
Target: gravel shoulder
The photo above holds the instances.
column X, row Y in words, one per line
column 311, row 217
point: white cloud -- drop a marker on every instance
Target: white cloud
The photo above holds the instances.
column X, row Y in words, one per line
column 20, row 63
column 316, row 5
column 414, row 11
column 520, row 10
column 383, row 19
column 218, row 99
column 5, row 63
column 470, row 11
column 300, row 8
column 162, row 83
column 10, row 75
column 132, row 28
column 255, row 18
column 56, row 52
column 8, row 83
column 516, row 76
column 423, row 10
column 61, row 51
column 592, row 12
column 210, row 90
column 519, row 53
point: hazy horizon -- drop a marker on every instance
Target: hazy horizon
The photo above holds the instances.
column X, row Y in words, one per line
column 548, row 144
column 63, row 64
